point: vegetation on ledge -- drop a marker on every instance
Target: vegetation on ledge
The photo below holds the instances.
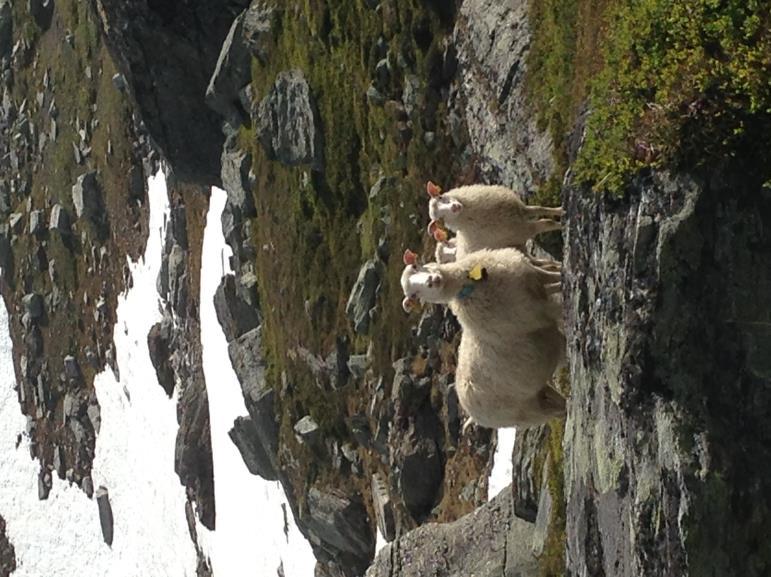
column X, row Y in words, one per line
column 664, row 83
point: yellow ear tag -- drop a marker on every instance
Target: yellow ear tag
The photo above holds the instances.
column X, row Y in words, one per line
column 477, row 273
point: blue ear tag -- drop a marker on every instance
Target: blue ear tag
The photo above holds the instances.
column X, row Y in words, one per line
column 465, row 291
column 476, row 274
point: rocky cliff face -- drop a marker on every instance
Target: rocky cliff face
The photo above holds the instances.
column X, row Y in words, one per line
column 668, row 335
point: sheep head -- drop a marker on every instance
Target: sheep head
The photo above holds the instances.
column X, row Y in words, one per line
column 419, row 283
column 442, row 208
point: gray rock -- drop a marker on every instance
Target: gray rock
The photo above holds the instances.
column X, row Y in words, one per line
column 246, row 356
column 33, row 305
column 543, row 519
column 357, row 366
column 668, row 358
column 530, row 448
column 86, row 196
column 489, row 542
column 257, row 459
column 72, row 368
column 287, row 122
column 337, row 524
column 235, row 316
column 258, row 29
column 418, row 473
column 502, row 127
column 235, row 180
column 119, row 82
column 308, row 432
column 362, row 297
column 231, row 73
column 105, row 514
column 87, row 485
column 37, row 222
column 43, row 484
column 159, row 346
column 384, row 509
column 59, row 220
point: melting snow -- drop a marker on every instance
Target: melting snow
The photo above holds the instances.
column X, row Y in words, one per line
column 250, row 538
column 134, row 457
column 500, row 476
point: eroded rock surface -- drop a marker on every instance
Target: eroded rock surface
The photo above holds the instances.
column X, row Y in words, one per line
column 489, row 542
column 667, row 444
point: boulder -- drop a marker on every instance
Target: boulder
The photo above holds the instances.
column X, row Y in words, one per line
column 363, row 295
column 287, row 122
column 59, row 219
column 231, row 73
column 105, row 514
column 159, row 346
column 489, row 542
column 235, row 316
column 257, row 459
column 246, row 356
column 235, row 180
column 43, row 484
column 337, row 525
column 258, row 29
column 86, row 196
column 307, row 432
column 37, row 222
column 33, row 305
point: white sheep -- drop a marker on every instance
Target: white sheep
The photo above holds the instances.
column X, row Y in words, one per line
column 507, row 281
column 511, row 342
column 505, row 384
column 486, row 216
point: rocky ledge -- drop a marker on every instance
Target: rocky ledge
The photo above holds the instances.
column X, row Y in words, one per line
column 668, row 294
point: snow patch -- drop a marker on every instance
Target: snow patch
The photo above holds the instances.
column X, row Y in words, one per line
column 500, row 476
column 134, row 457
column 250, row 538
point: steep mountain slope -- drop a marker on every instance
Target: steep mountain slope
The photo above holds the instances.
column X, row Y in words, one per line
column 322, row 120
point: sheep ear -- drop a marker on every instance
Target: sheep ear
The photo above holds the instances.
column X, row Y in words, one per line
column 440, row 235
column 409, row 257
column 433, row 190
column 408, row 304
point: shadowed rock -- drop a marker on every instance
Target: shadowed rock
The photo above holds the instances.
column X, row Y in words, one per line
column 105, row 514
column 247, row 439
column 338, row 528
column 235, row 315
column 362, row 297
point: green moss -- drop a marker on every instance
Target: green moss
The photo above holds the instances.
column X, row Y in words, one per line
column 668, row 84
column 326, row 219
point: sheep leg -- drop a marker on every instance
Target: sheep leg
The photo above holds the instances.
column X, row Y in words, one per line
column 543, row 211
column 547, row 264
column 551, row 401
column 467, row 425
column 553, row 288
column 546, row 225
